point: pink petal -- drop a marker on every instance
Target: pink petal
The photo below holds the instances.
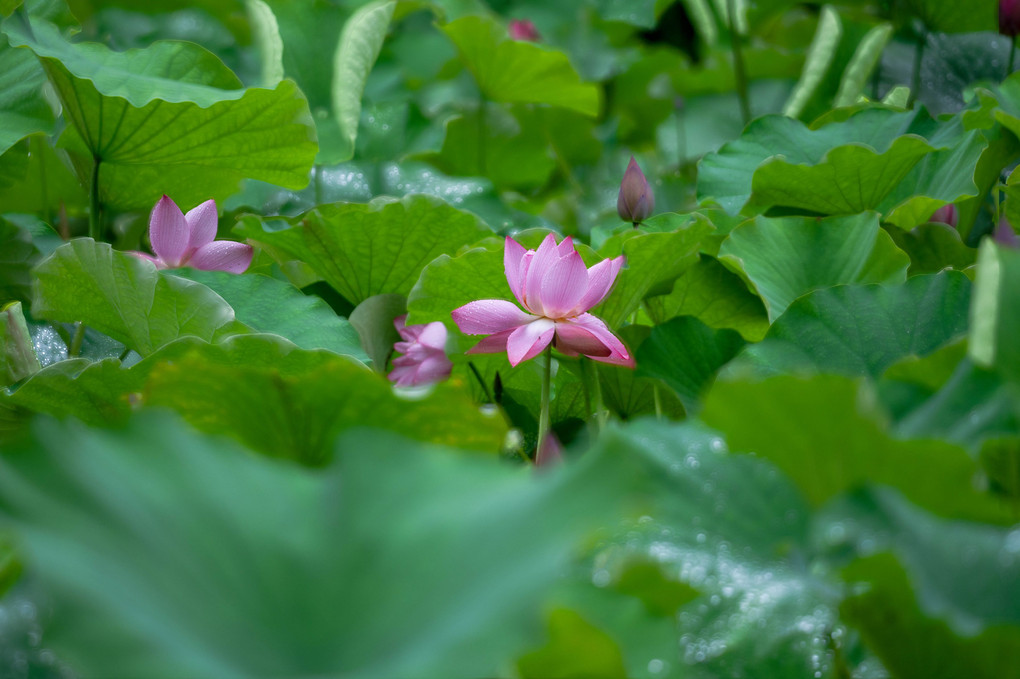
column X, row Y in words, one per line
column 600, row 281
column 493, row 344
column 549, row 451
column 148, row 258
column 563, row 285
column 565, row 247
column 433, row 336
column 202, row 222
column 529, row 340
column 513, row 256
column 486, row 316
column 434, row 368
column 402, row 376
column 224, row 255
column 573, row 339
column 168, row 232
column 618, row 352
column 546, row 255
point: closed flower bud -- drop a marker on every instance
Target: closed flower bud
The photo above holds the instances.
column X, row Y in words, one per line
column 947, row 214
column 522, row 29
column 1009, row 17
column 635, row 202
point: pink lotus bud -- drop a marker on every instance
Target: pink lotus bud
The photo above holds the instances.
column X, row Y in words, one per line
column 1009, row 17
column 635, row 202
column 180, row 239
column 947, row 214
column 1005, row 235
column 523, row 29
column 550, row 451
column 424, row 358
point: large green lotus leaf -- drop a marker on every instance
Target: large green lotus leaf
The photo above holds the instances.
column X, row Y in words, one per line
column 170, row 554
column 653, row 262
column 736, row 531
column 995, row 313
column 963, row 572
column 726, row 176
column 787, row 257
column 872, row 160
column 293, row 403
column 23, row 110
column 945, row 176
column 98, row 392
column 933, row 247
column 126, row 298
column 972, row 405
column 862, row 330
column 499, row 149
column 518, row 72
column 948, row 16
column 268, row 305
column 821, row 433
column 630, row 394
column 717, row 297
column 35, row 180
column 95, row 392
column 17, row 257
column 170, row 119
column 686, row 354
column 366, row 250
column 913, row 645
column 299, row 39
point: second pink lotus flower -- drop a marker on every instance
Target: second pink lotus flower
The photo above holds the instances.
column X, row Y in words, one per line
column 556, row 290
column 180, row 239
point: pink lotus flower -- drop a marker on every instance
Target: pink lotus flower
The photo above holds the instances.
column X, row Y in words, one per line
column 189, row 240
column 523, row 29
column 556, row 289
column 424, row 354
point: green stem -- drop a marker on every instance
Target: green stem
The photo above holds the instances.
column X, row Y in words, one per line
column 1012, row 56
column 915, row 85
column 318, row 184
column 79, row 336
column 543, row 414
column 95, row 225
column 739, row 73
column 681, row 137
column 658, row 401
column 481, row 382
column 36, row 147
column 482, row 133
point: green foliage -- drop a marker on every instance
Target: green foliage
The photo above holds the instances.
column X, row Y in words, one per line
column 373, row 249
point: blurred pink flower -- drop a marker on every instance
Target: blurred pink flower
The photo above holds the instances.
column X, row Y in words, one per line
column 947, row 214
column 424, row 354
column 549, row 452
column 1009, row 17
column 189, row 240
column 635, row 201
column 523, row 29
column 557, row 289
column 1005, row 235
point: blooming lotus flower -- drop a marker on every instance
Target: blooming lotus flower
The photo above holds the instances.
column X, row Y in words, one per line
column 523, row 29
column 189, row 240
column 947, row 214
column 1009, row 17
column 424, row 354
column 556, row 290
column 636, row 201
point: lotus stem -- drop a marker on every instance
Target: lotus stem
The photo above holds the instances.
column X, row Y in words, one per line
column 318, row 184
column 95, row 224
column 482, row 132
column 543, row 414
column 915, row 85
column 739, row 74
column 79, row 335
column 481, row 382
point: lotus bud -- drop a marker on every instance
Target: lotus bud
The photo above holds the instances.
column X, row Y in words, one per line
column 549, row 452
column 522, row 29
column 1005, row 235
column 1009, row 17
column 947, row 214
column 635, row 202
